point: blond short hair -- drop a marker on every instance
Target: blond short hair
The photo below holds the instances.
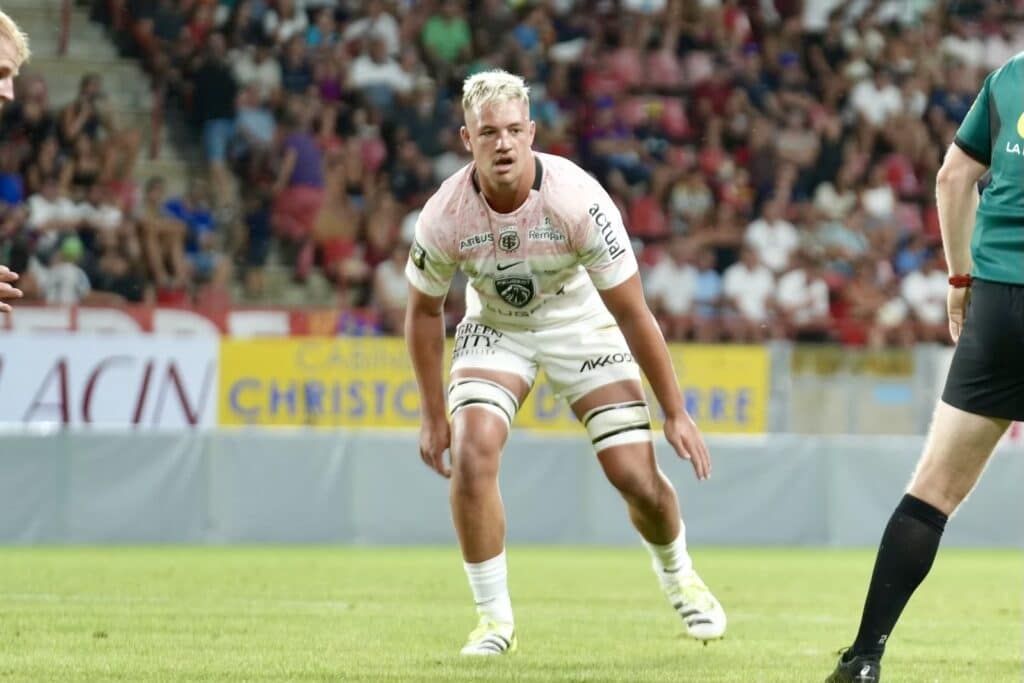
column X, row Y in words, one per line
column 493, row 86
column 10, row 31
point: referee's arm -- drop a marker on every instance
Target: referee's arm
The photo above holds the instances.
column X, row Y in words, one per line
column 956, row 195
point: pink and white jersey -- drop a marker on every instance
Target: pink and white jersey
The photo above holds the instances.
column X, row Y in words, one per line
column 537, row 267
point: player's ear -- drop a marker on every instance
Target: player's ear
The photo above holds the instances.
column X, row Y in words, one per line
column 533, row 130
column 464, row 134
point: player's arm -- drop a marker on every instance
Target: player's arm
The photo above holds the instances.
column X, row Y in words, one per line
column 604, row 250
column 956, row 198
column 627, row 304
column 429, row 272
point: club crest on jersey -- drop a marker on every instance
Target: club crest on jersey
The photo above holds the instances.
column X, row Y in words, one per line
column 508, row 240
column 515, row 291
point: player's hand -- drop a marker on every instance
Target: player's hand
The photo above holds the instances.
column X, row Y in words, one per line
column 7, row 290
column 435, row 439
column 956, row 306
column 684, row 436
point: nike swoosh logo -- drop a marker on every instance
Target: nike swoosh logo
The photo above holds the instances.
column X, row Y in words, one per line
column 506, row 266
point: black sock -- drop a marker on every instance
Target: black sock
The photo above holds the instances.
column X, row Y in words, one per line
column 905, row 555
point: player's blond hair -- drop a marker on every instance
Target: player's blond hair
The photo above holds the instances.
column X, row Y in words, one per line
column 496, row 85
column 10, row 31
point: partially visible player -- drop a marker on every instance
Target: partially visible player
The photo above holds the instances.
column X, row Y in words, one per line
column 985, row 386
column 13, row 53
column 553, row 285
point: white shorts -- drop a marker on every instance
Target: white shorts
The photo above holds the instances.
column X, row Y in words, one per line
column 576, row 359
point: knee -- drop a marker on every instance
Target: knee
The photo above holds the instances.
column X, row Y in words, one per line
column 475, row 460
column 639, row 487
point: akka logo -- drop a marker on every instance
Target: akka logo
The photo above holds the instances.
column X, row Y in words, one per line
column 604, row 361
column 604, row 224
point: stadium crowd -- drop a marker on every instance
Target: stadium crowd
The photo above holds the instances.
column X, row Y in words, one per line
column 774, row 160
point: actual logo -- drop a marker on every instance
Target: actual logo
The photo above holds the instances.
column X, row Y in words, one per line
column 1020, row 126
column 515, row 291
column 508, row 240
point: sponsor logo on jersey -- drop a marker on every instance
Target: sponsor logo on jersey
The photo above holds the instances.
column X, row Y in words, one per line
column 1020, row 126
column 604, row 361
column 546, row 235
column 476, row 240
column 509, row 239
column 604, row 224
column 474, row 338
column 1014, row 148
column 515, row 291
column 418, row 255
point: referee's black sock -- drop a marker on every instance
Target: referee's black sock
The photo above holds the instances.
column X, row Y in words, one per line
column 905, row 555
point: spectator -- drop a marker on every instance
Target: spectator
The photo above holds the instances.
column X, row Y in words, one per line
column 925, row 292
column 52, row 216
column 803, row 300
column 255, row 65
column 378, row 77
column 707, row 298
column 296, row 69
column 773, row 237
column 215, row 90
column 749, row 288
column 299, row 187
column 163, row 242
column 288, row 20
column 390, row 290
column 64, row 283
column 376, row 24
column 446, row 38
column 671, row 286
column 206, row 264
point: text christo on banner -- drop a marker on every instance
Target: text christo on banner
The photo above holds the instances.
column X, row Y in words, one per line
column 369, row 382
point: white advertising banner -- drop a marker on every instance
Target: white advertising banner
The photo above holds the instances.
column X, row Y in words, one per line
column 148, row 382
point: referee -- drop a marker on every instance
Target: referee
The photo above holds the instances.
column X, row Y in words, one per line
column 13, row 53
column 984, row 245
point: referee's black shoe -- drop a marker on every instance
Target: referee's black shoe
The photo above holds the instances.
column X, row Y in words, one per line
column 857, row 669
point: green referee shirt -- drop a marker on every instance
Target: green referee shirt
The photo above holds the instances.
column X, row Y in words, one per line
column 993, row 134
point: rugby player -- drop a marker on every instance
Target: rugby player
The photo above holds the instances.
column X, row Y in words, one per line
column 553, row 285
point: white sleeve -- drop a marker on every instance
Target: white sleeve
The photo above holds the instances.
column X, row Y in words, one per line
column 602, row 245
column 430, row 268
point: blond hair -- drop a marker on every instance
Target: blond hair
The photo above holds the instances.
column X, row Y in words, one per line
column 10, row 31
column 496, row 85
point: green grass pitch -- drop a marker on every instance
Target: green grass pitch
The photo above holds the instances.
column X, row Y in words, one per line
column 399, row 614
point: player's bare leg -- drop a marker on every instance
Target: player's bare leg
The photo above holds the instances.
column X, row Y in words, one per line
column 479, row 433
column 958, row 447
column 631, row 467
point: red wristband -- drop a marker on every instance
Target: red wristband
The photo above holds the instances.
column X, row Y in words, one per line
column 960, row 281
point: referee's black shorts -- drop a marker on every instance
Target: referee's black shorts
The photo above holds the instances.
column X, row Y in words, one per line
column 986, row 376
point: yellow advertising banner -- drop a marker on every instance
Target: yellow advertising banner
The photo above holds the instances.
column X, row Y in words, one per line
column 369, row 382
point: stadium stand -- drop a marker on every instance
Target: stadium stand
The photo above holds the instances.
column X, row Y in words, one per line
column 774, row 160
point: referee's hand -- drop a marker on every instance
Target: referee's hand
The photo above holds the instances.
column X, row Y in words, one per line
column 956, row 306
column 7, row 290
